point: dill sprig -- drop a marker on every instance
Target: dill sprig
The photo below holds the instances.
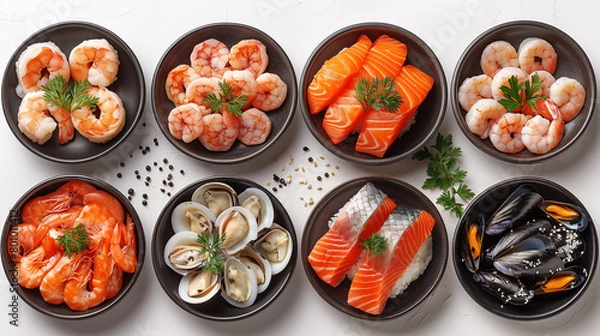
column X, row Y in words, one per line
column 69, row 97
column 74, row 240
column 226, row 99
column 213, row 249
column 378, row 93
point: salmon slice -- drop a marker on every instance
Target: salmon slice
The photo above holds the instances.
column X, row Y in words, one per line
column 406, row 230
column 384, row 59
column 380, row 129
column 339, row 249
column 335, row 74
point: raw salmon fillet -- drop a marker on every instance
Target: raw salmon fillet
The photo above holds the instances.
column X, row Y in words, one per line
column 339, row 249
column 335, row 74
column 406, row 230
column 384, row 59
column 413, row 85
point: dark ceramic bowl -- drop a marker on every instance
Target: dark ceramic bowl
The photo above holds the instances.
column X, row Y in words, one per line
column 217, row 308
column 572, row 62
column 401, row 193
column 230, row 34
column 539, row 307
column 427, row 120
column 129, row 86
column 32, row 296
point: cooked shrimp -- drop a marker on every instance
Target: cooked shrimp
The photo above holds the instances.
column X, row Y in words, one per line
column 249, row 55
column 501, row 79
column 123, row 246
column 482, row 116
column 473, row 89
column 53, row 284
column 209, row 58
column 185, row 122
column 66, row 131
column 78, row 189
column 177, row 82
column 34, row 118
column 220, row 131
column 255, row 127
column 39, row 63
column 506, row 133
column 37, row 208
column 242, row 82
column 95, row 60
column 541, row 135
column 547, row 81
column 34, row 266
column 200, row 88
column 115, row 282
column 272, row 92
column 98, row 222
column 111, row 121
column 23, row 243
column 63, row 219
column 498, row 55
column 569, row 96
column 537, row 54
column 105, row 199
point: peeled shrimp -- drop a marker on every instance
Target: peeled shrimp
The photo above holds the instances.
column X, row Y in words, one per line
column 185, row 122
column 209, row 58
column 66, row 130
column 177, row 82
column 123, row 246
column 473, row 89
column 255, row 127
column 249, row 55
column 242, row 82
column 34, row 118
column 95, row 60
column 547, row 81
column 501, row 79
column 498, row 55
column 541, row 135
column 537, row 54
column 569, row 96
column 111, row 121
column 39, row 63
column 198, row 89
column 220, row 131
column 506, row 133
column 272, row 92
column 34, row 266
column 482, row 116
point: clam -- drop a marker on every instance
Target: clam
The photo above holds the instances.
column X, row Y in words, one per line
column 260, row 205
column 192, row 216
column 276, row 246
column 238, row 226
column 182, row 252
column 199, row 286
column 569, row 215
column 240, row 287
column 216, row 196
column 258, row 264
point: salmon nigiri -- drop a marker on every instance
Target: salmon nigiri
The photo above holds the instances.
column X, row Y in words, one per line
column 339, row 249
column 335, row 74
column 405, row 230
column 384, row 59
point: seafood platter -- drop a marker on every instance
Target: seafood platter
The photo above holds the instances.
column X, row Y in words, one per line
column 367, row 113
column 374, row 248
column 73, row 108
column 525, row 249
column 224, row 92
column 523, row 91
column 223, row 248
column 69, row 232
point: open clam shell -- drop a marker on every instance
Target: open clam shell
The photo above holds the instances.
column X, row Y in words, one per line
column 193, row 216
column 181, row 252
column 216, row 196
column 259, row 264
column 239, row 227
column 199, row 286
column 240, row 288
column 276, row 246
column 260, row 205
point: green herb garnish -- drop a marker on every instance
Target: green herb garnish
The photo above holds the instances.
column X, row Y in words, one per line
column 374, row 245
column 74, row 240
column 213, row 249
column 516, row 94
column 226, row 99
column 79, row 96
column 378, row 93
column 69, row 97
column 445, row 174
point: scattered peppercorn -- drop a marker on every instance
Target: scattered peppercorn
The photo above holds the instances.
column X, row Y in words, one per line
column 319, row 178
column 164, row 182
column 168, row 194
column 136, row 172
column 122, row 164
column 160, row 169
column 165, row 160
column 143, row 152
column 274, row 189
column 305, row 148
column 140, row 147
column 171, row 167
column 138, row 177
column 144, row 202
column 131, row 191
column 310, row 159
column 182, row 172
column 170, row 184
column 147, row 148
column 148, row 168
column 155, row 163
column 147, row 184
column 170, row 177
column 145, row 196
column 162, row 190
column 119, row 175
column 326, row 175
column 148, row 178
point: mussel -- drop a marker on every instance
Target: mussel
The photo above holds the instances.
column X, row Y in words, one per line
column 569, row 215
column 472, row 247
column 216, row 196
column 508, row 289
column 536, row 256
column 515, row 211
column 518, row 235
column 565, row 280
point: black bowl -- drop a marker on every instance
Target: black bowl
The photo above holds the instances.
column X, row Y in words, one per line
column 129, row 86
column 217, row 308
column 572, row 62
column 401, row 193
column 32, row 296
column 539, row 307
column 230, row 34
column 427, row 120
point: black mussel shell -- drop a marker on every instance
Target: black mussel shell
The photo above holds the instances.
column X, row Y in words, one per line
column 517, row 235
column 535, row 257
column 569, row 215
column 513, row 212
column 565, row 280
column 570, row 244
column 509, row 290
column 472, row 246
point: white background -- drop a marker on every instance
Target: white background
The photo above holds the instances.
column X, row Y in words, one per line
column 149, row 27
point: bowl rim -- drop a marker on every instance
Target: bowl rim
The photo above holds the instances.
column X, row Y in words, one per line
column 100, row 184
column 303, row 84
column 140, row 79
column 444, row 251
column 458, row 265
column 292, row 93
column 457, row 111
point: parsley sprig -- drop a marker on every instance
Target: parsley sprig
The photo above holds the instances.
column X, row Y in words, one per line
column 226, row 99
column 378, row 93
column 74, row 240
column 445, row 174
column 213, row 249
column 69, row 97
column 374, row 245
column 516, row 94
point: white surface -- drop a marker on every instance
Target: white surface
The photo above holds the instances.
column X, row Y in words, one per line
column 149, row 27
